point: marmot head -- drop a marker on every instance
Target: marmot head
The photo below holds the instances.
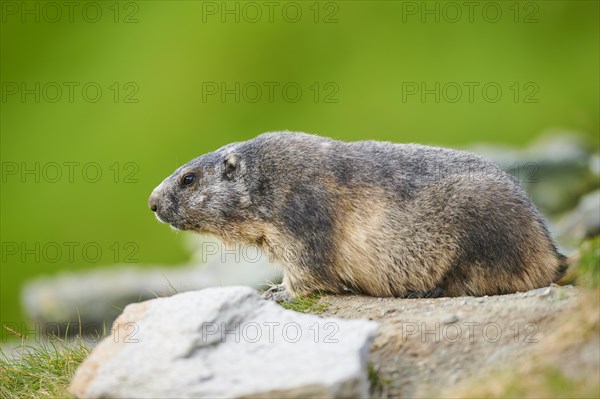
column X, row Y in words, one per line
column 205, row 194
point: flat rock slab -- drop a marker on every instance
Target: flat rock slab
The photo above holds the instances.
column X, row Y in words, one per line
column 226, row 342
column 426, row 346
column 88, row 298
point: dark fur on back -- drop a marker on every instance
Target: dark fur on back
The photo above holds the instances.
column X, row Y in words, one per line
column 371, row 217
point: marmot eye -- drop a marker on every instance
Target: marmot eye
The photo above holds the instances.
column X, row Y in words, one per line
column 188, row 179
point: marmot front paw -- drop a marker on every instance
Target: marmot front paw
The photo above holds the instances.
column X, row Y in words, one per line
column 277, row 293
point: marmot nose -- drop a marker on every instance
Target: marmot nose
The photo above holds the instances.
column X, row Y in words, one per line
column 153, row 202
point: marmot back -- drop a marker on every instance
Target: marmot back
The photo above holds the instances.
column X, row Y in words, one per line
column 369, row 217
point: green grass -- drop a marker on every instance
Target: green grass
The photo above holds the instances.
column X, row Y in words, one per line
column 43, row 370
column 540, row 381
column 549, row 382
column 307, row 304
column 586, row 271
column 377, row 383
column 589, row 263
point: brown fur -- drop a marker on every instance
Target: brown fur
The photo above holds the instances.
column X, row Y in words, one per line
column 373, row 218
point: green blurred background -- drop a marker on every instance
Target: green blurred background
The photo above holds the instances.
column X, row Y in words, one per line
column 155, row 60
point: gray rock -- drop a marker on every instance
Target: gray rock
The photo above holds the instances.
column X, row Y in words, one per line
column 556, row 169
column 555, row 147
column 581, row 222
column 226, row 342
column 90, row 300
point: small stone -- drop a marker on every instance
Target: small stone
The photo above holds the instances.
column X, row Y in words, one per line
column 453, row 318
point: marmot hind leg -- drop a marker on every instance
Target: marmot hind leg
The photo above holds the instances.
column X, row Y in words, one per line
column 437, row 292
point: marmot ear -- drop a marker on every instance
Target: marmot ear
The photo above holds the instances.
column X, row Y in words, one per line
column 231, row 165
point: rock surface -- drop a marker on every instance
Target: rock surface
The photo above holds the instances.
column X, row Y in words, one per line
column 426, row 346
column 226, row 342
